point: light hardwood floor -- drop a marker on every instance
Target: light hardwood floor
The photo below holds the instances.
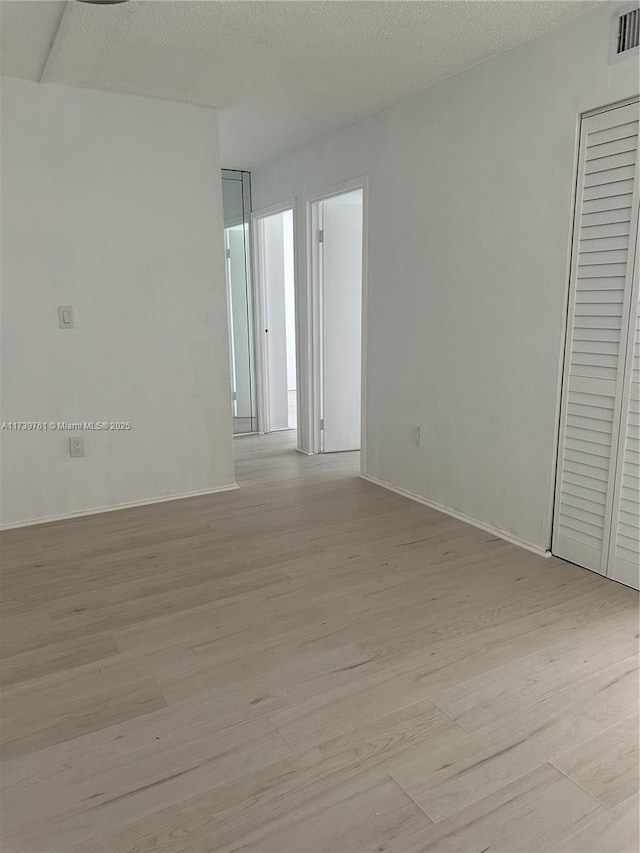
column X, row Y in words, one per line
column 310, row 664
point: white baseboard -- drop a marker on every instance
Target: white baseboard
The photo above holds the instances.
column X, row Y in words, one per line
column 488, row 528
column 305, row 452
column 47, row 519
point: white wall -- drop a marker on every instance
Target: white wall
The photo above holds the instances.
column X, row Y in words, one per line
column 469, row 220
column 111, row 204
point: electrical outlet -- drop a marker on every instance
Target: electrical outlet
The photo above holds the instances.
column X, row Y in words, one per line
column 76, row 446
column 416, row 436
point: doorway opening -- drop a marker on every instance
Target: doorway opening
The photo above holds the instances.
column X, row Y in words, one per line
column 337, row 231
column 275, row 273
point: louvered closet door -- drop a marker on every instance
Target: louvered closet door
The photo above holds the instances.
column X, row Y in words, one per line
column 597, row 336
column 624, row 560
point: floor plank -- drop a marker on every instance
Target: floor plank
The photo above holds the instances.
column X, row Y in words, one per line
column 606, row 765
column 27, row 728
column 502, row 821
column 56, row 658
column 492, row 695
column 613, row 832
column 450, row 774
column 259, row 804
column 146, row 769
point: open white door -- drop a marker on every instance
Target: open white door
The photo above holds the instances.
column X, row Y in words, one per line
column 274, row 280
column 273, row 234
column 340, row 266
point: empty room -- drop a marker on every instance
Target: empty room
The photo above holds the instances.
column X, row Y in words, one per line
column 320, row 428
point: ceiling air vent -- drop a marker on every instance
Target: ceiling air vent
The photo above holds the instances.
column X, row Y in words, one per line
column 628, row 30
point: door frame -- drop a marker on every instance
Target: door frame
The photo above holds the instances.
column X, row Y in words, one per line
column 260, row 314
column 314, row 310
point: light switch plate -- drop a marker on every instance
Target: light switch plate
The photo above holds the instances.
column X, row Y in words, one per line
column 65, row 316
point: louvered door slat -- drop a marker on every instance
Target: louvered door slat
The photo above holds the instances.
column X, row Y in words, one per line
column 584, row 421
column 616, row 216
column 585, row 433
column 608, row 190
column 603, row 269
column 596, row 341
column 613, row 132
column 609, row 175
column 576, row 472
column 600, row 290
column 594, row 346
column 605, row 149
column 582, row 492
column 600, row 243
column 607, row 296
column 607, row 203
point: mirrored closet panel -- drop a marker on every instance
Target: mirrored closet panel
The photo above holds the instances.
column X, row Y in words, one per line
column 236, row 200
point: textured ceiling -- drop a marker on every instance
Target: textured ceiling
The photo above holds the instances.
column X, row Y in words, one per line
column 281, row 72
